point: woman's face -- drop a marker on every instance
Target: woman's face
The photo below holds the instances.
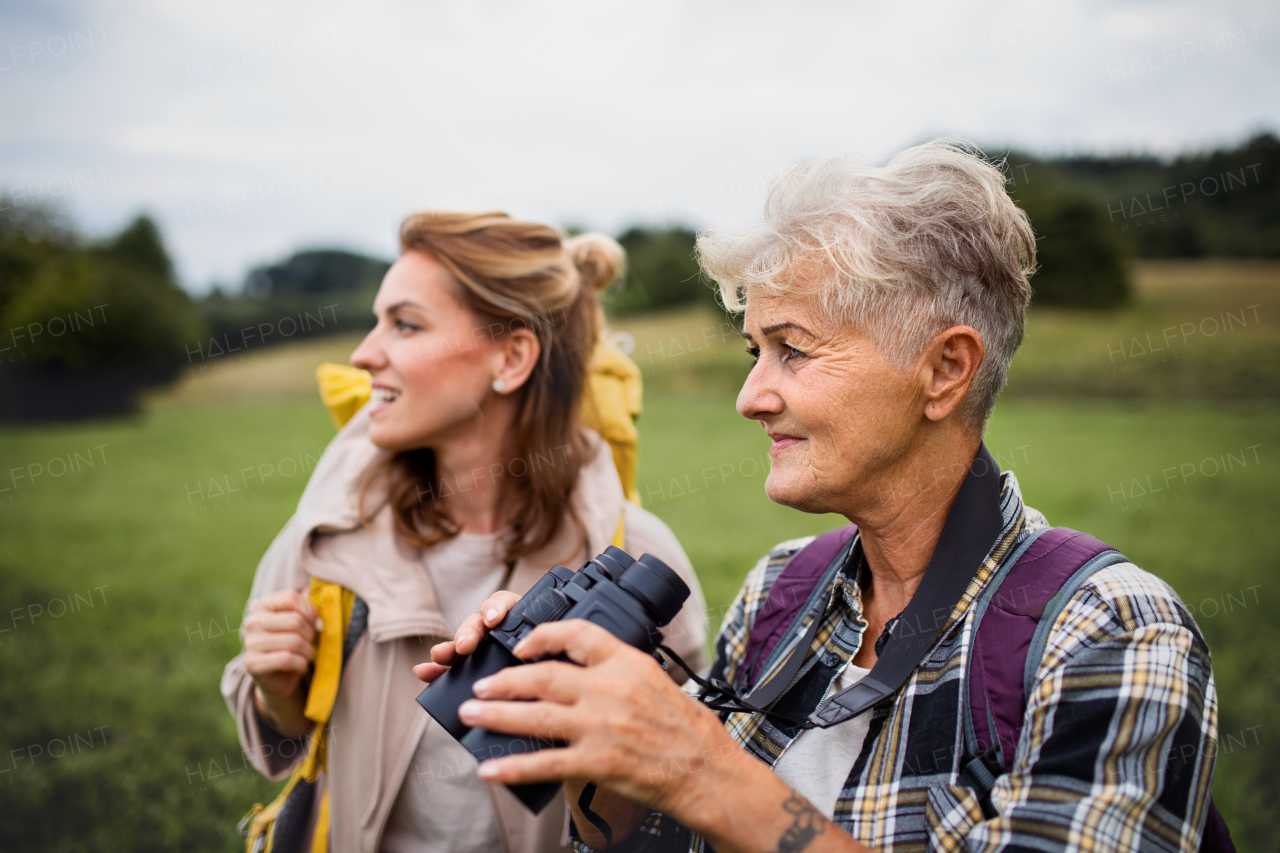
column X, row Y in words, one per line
column 841, row 416
column 433, row 362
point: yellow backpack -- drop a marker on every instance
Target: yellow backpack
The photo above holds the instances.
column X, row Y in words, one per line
column 610, row 406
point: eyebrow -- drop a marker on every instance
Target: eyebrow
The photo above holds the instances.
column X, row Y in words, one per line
column 405, row 303
column 777, row 327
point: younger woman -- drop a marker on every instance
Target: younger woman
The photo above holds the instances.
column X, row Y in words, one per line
column 467, row 473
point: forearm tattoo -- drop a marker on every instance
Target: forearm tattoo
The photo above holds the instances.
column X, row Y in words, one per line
column 807, row 823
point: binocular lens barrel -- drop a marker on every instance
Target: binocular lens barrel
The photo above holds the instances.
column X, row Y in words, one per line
column 657, row 586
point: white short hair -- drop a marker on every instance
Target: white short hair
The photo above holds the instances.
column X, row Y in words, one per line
column 906, row 250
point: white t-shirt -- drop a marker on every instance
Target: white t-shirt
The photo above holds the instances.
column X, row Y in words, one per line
column 818, row 761
column 443, row 806
column 465, row 570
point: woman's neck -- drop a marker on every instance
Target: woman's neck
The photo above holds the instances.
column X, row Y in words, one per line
column 469, row 490
column 474, row 475
column 899, row 534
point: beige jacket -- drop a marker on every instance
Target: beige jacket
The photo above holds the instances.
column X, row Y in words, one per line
column 376, row 724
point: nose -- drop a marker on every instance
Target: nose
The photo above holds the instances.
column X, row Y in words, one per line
column 759, row 396
column 370, row 355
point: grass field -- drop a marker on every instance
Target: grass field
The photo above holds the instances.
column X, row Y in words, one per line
column 122, row 577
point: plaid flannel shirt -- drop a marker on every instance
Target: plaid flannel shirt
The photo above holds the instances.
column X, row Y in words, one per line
column 1119, row 738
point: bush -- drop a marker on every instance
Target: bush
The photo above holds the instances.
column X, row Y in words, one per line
column 88, row 327
column 1223, row 203
column 662, row 272
column 1081, row 264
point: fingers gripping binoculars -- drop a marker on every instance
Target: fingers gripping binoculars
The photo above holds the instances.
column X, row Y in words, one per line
column 631, row 599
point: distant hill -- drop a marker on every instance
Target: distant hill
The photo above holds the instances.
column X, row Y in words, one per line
column 314, row 292
column 317, row 272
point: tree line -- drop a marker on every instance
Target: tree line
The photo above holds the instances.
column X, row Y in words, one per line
column 86, row 324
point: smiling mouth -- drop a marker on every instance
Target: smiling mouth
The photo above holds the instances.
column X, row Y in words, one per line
column 382, row 396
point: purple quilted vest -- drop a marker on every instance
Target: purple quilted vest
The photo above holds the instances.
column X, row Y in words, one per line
column 1000, row 645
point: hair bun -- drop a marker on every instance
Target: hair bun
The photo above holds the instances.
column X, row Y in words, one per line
column 599, row 259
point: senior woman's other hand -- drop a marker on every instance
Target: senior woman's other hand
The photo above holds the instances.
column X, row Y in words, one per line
column 633, row 731
column 467, row 637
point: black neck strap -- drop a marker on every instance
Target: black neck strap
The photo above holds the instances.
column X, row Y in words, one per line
column 971, row 528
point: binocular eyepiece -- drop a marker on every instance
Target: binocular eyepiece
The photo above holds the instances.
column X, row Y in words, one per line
column 631, row 599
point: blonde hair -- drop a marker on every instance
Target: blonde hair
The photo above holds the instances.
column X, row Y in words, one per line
column 927, row 241
column 514, row 274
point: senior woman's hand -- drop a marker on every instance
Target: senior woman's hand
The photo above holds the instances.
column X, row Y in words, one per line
column 631, row 730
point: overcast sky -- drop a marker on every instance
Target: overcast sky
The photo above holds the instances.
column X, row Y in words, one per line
column 250, row 132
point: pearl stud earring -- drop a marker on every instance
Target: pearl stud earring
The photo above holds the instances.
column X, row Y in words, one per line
column 499, row 384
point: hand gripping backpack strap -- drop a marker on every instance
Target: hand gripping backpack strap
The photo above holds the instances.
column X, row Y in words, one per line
column 281, row 827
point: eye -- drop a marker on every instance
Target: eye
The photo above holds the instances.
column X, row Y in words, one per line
column 754, row 352
column 791, row 353
column 405, row 326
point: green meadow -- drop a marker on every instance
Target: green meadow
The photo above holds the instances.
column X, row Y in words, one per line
column 128, row 545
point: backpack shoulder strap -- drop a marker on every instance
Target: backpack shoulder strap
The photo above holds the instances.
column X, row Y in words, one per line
column 611, row 402
column 343, row 623
column 1092, row 556
column 1012, row 621
column 788, row 596
column 1015, row 623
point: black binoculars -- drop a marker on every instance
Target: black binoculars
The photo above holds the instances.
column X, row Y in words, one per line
column 631, row 599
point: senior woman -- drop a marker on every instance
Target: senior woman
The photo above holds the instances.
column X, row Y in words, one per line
column 468, row 472
column 882, row 308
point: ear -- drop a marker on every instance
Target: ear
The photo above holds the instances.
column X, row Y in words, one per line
column 949, row 364
column 519, row 352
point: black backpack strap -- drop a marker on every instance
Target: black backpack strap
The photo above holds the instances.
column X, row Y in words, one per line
column 972, row 526
column 796, row 593
column 764, row 695
column 355, row 628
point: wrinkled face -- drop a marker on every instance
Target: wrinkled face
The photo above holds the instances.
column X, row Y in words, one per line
column 432, row 360
column 841, row 416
